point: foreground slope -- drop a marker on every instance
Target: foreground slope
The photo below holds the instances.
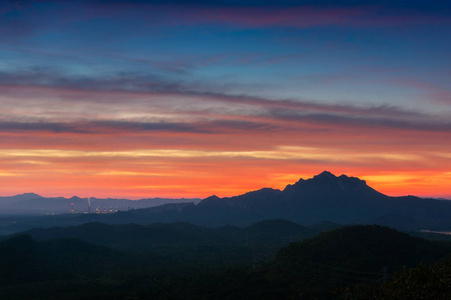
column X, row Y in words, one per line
column 324, row 266
column 320, row 267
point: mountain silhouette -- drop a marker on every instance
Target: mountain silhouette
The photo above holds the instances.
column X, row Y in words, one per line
column 33, row 204
column 325, row 197
column 340, row 199
column 19, row 198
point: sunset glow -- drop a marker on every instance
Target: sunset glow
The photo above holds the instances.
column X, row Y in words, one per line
column 138, row 99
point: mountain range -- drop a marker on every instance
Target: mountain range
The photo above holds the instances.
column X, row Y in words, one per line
column 325, row 197
column 34, row 204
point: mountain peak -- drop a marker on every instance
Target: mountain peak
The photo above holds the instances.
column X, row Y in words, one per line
column 327, row 180
column 325, row 177
column 209, row 200
column 325, row 174
column 31, row 195
column 26, row 196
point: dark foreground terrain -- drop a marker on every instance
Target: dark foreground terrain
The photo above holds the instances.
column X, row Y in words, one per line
column 269, row 260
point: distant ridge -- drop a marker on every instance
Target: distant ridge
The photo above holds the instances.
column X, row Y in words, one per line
column 34, row 204
column 18, row 198
column 22, row 197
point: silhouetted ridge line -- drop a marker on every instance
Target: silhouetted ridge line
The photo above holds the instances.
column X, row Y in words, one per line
column 341, row 199
column 325, row 197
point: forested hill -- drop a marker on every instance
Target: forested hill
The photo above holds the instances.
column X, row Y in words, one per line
column 327, row 266
column 139, row 238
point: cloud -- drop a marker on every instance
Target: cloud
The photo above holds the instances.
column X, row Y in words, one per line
column 121, row 80
column 95, row 127
column 443, row 97
column 298, row 14
column 434, row 92
column 363, row 122
column 132, row 127
column 22, row 18
column 41, row 126
column 413, row 4
column 294, row 15
column 54, row 102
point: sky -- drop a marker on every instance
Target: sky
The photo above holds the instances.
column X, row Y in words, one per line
column 143, row 99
